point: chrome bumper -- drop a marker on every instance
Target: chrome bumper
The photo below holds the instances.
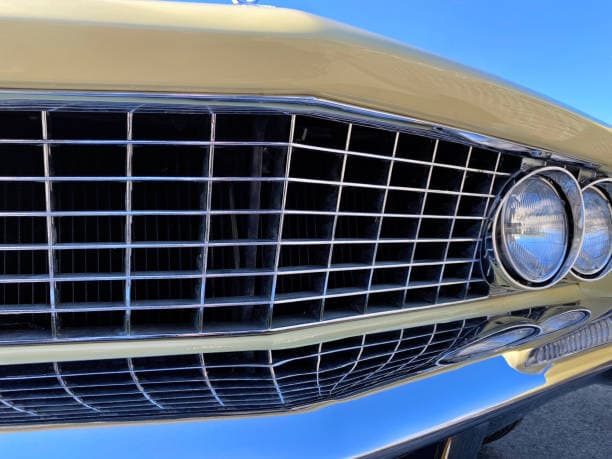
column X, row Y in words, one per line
column 379, row 422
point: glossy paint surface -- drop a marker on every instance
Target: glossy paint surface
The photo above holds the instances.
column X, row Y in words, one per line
column 201, row 48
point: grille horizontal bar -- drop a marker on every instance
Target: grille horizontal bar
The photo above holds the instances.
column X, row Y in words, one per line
column 141, row 221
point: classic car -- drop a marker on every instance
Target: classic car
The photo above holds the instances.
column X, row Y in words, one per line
column 264, row 233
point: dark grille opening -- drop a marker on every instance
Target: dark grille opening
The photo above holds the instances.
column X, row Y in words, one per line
column 443, row 178
column 21, row 262
column 98, row 323
column 151, row 290
column 415, row 147
column 243, row 226
column 343, row 306
column 385, row 301
column 320, row 132
column 18, row 326
column 286, row 314
column 70, row 196
column 167, row 196
column 398, row 228
column 170, row 126
column 215, row 255
column 303, row 196
column 88, row 160
column 400, row 253
column 409, row 175
column 21, row 160
column 470, row 206
column 90, row 261
column 316, row 165
column 391, row 277
column 23, row 230
column 87, row 125
column 315, row 227
column 438, row 228
column 483, row 159
column 249, row 162
column 366, row 170
column 153, row 321
column 356, row 199
column 88, row 229
column 90, row 292
column 348, row 279
column 420, row 296
column 452, row 153
column 220, row 319
column 169, row 161
column 425, row 274
column 22, row 196
column 25, row 293
column 353, row 227
column 167, row 259
column 294, row 283
column 20, row 125
column 242, row 196
column 303, row 255
column 476, row 182
column 427, row 251
column 240, row 257
column 352, row 254
column 187, row 228
column 260, row 127
column 238, row 286
column 404, row 202
column 372, row 140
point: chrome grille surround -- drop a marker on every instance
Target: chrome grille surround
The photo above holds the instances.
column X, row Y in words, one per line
column 340, row 215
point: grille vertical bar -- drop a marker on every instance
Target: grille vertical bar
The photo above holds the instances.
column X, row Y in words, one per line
column 49, row 220
column 128, row 226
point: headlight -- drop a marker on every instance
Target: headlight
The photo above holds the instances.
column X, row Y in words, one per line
column 537, row 228
column 593, row 262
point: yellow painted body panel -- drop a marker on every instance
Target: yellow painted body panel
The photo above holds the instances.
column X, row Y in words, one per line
column 129, row 45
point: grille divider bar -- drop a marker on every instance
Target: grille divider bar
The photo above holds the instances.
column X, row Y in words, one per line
column 380, row 220
column 420, row 220
column 128, row 229
column 481, row 234
column 281, row 220
column 452, row 224
column 335, row 221
column 206, row 238
column 50, row 227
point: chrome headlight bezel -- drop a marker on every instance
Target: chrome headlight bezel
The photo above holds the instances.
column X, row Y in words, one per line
column 496, row 267
column 604, row 187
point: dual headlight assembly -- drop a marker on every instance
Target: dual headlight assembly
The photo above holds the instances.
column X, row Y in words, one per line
column 545, row 225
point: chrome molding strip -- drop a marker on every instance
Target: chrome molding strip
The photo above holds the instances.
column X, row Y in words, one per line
column 19, row 99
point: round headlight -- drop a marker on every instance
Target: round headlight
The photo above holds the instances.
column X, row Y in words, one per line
column 594, row 260
column 536, row 230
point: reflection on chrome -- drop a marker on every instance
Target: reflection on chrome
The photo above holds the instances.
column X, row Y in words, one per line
column 595, row 334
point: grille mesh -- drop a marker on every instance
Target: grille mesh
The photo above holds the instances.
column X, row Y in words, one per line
column 140, row 222
column 220, row 383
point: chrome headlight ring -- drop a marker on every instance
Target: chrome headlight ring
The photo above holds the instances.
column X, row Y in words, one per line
column 603, row 188
column 498, row 267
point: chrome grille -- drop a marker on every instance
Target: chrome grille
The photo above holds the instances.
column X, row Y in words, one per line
column 134, row 220
column 220, row 383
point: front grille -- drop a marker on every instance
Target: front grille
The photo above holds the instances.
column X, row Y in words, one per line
column 139, row 220
column 213, row 384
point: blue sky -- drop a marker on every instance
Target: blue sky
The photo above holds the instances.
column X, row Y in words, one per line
column 559, row 48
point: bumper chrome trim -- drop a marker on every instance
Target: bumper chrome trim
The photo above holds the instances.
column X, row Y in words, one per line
column 404, row 413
